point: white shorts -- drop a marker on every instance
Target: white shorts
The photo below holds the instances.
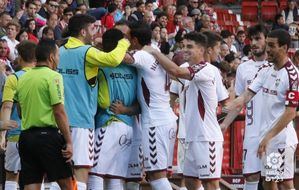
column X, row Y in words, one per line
column 181, row 155
column 83, row 145
column 203, row 160
column 251, row 162
column 136, row 157
column 112, row 149
column 278, row 164
column 12, row 157
column 158, row 144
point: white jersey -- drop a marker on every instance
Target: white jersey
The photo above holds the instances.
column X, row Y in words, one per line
column 152, row 91
column 245, row 74
column 201, row 105
column 177, row 87
column 279, row 89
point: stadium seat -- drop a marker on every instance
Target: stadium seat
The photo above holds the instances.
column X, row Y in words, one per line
column 268, row 10
column 283, row 5
column 250, row 10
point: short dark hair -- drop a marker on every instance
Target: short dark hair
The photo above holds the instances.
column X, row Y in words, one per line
column 111, row 7
column 225, row 34
column 179, row 35
column 4, row 13
column 21, row 32
column 161, row 14
column 149, row 2
column 283, row 37
column 46, row 30
column 111, row 38
column 139, row 3
column 122, row 22
column 26, row 50
column 246, row 49
column 230, row 57
column 241, row 32
column 142, row 32
column 278, row 16
column 28, row 3
column 154, row 25
column 257, row 29
column 44, row 49
column 212, row 38
column 79, row 22
column 197, row 37
column 67, row 10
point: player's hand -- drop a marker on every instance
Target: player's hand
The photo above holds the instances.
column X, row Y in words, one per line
column 9, row 124
column 67, row 152
column 262, row 147
column 128, row 59
column 149, row 49
column 117, row 107
column 223, row 128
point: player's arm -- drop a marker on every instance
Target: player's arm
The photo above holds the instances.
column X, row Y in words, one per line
column 287, row 116
column 57, row 98
column 235, row 107
column 118, row 107
column 292, row 98
column 111, row 59
column 8, row 95
column 63, row 125
column 170, row 66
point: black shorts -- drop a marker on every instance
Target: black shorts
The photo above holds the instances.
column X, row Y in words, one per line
column 40, row 153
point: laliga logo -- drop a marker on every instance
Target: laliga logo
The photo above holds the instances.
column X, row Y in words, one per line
column 274, row 160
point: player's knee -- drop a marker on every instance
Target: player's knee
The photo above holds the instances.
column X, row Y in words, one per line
column 253, row 177
column 65, row 184
column 212, row 184
column 286, row 185
column 81, row 174
column 154, row 175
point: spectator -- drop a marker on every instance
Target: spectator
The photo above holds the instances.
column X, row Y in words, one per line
column 119, row 11
column 149, row 5
column 52, row 22
column 162, row 19
column 240, row 41
column 195, row 14
column 82, row 7
column 227, row 38
column 5, row 18
column 156, row 35
column 30, row 25
column 246, row 53
column 183, row 10
column 50, row 7
column 294, row 33
column 62, row 5
column 164, row 44
column 205, row 23
column 108, row 20
column 13, row 29
column 193, row 4
column 188, row 24
column 67, row 14
column 224, row 50
column 29, row 12
column 148, row 17
column 233, row 61
column 179, row 37
column 174, row 25
column 48, row 33
column 4, row 52
column 22, row 35
column 290, row 14
column 138, row 14
column 279, row 23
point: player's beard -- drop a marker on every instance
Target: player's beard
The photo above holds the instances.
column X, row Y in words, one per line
column 260, row 53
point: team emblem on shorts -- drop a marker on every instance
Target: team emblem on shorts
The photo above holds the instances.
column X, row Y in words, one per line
column 273, row 165
column 274, row 160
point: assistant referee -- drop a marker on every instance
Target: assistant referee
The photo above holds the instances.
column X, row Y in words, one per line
column 45, row 145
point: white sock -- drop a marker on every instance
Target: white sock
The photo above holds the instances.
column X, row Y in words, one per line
column 251, row 185
column 46, row 185
column 161, row 183
column 11, row 185
column 95, row 183
column 201, row 188
column 114, row 184
column 81, row 185
column 54, row 186
column 183, row 188
column 132, row 186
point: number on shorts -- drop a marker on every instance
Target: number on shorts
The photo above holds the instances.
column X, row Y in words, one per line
column 249, row 113
column 244, row 154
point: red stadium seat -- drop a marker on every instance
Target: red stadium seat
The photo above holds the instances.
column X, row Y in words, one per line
column 269, row 9
column 283, row 5
column 250, row 10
